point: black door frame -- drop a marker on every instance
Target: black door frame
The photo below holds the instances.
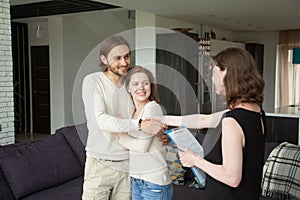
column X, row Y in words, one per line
column 21, row 80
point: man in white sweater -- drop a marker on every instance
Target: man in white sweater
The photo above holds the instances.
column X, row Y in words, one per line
column 106, row 100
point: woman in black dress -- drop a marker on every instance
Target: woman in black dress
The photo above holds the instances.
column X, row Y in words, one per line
column 234, row 163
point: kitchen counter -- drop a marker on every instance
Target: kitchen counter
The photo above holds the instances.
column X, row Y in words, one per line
column 285, row 111
column 283, row 124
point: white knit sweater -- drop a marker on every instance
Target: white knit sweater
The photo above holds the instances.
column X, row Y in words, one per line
column 104, row 104
column 147, row 155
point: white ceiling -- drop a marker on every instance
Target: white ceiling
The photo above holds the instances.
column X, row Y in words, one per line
column 238, row 15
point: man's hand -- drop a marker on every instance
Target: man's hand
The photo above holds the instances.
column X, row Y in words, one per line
column 151, row 126
column 120, row 134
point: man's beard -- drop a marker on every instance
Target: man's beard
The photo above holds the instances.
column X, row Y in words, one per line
column 114, row 71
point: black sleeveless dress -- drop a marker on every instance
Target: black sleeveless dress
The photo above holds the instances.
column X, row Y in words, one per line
column 253, row 159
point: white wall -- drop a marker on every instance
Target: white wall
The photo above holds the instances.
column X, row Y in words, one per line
column 32, row 39
column 269, row 40
column 81, row 34
column 52, row 35
column 56, row 73
column 145, row 41
column 170, row 23
column 71, row 38
column 222, row 34
column 166, row 22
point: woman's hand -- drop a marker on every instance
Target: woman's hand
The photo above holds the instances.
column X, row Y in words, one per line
column 151, row 126
column 188, row 157
column 120, row 133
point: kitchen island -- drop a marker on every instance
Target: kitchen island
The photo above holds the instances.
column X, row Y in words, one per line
column 283, row 124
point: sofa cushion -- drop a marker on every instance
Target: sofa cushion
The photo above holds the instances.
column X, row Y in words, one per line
column 5, row 192
column 76, row 138
column 33, row 166
column 71, row 190
column 175, row 167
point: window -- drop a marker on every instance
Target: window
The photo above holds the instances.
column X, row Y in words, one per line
column 288, row 74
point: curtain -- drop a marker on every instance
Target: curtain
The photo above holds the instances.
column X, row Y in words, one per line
column 288, row 73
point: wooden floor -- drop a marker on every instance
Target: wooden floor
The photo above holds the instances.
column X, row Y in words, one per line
column 25, row 137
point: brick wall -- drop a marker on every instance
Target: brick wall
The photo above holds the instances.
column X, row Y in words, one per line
column 6, row 77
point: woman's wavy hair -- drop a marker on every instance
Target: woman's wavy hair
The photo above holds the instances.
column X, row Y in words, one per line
column 139, row 69
column 243, row 83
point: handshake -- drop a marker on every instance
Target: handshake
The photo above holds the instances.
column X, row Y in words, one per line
column 152, row 126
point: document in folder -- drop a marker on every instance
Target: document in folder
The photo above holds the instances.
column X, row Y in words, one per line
column 184, row 138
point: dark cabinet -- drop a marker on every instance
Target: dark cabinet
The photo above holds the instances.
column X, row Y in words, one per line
column 176, row 72
column 257, row 51
column 282, row 129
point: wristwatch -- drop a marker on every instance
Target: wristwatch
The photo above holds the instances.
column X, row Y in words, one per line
column 140, row 125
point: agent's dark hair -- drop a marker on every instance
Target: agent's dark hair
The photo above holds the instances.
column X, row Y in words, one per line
column 139, row 69
column 243, row 83
column 108, row 44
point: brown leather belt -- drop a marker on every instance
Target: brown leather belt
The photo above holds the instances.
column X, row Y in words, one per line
column 112, row 160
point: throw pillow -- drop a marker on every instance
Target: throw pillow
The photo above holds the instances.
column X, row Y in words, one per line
column 37, row 165
column 176, row 169
column 73, row 135
column 281, row 174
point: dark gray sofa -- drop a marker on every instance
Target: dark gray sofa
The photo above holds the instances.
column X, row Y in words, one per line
column 52, row 168
column 47, row 169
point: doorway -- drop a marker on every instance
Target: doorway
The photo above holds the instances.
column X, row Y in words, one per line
column 40, row 89
column 21, row 93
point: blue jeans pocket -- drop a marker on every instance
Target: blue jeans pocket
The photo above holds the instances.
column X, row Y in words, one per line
column 153, row 187
column 143, row 190
column 159, row 192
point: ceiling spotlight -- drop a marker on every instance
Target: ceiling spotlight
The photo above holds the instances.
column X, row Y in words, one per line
column 38, row 31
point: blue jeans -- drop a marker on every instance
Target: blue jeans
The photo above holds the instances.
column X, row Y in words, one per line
column 143, row 190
